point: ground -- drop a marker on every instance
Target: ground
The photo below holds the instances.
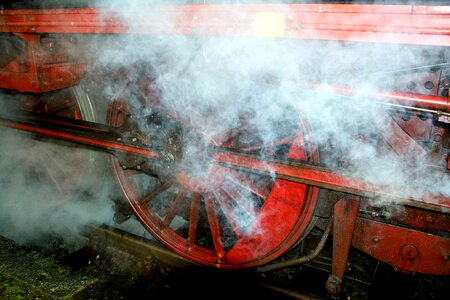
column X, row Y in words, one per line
column 52, row 272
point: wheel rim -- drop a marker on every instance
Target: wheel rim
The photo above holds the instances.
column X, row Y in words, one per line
column 227, row 218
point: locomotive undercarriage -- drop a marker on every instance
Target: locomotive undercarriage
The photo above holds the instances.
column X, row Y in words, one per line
column 235, row 198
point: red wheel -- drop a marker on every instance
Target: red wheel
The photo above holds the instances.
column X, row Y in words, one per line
column 224, row 217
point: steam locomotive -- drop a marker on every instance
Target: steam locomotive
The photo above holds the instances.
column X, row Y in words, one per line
column 237, row 133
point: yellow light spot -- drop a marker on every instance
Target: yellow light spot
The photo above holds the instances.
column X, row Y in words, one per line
column 269, row 24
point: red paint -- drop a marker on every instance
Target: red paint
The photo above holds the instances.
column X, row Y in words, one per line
column 328, row 179
column 405, row 248
column 289, row 204
column 78, row 139
column 400, row 24
column 424, row 101
column 44, row 71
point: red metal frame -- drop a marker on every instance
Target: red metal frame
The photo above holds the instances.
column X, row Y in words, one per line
column 404, row 248
column 40, row 69
column 400, row 24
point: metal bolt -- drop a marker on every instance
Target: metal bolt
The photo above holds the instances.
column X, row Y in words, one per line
column 119, row 139
column 376, row 239
column 333, row 284
column 138, row 167
column 428, row 85
column 124, row 167
column 410, row 251
column 406, row 117
column 411, row 85
column 429, row 219
column 134, row 139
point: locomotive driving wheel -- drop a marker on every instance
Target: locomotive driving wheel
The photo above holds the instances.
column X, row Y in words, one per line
column 212, row 214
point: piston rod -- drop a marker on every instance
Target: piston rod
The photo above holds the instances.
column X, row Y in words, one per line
column 90, row 134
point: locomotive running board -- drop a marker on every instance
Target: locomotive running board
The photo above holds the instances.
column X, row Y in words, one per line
column 109, row 139
column 395, row 24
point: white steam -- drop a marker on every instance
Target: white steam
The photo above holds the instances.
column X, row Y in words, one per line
column 48, row 191
column 211, row 82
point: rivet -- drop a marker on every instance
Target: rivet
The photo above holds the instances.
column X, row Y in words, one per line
column 410, row 251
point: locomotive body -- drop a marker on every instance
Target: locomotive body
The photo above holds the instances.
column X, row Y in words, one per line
column 238, row 132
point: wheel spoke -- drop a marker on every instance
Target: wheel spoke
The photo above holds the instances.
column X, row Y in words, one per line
column 229, row 212
column 248, row 184
column 50, row 174
column 131, row 172
column 193, row 218
column 225, row 139
column 175, row 205
column 286, row 141
column 213, row 221
column 243, row 201
column 156, row 191
column 244, row 194
column 52, row 166
column 60, row 108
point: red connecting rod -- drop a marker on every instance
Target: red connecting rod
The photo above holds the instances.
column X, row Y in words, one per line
column 431, row 102
column 108, row 139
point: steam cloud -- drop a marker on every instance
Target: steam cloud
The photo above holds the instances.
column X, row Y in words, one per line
column 47, row 192
column 213, row 81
